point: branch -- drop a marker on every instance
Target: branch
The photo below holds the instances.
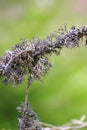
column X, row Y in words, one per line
column 30, row 57
column 74, row 125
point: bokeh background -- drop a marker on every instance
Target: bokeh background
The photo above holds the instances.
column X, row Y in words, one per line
column 63, row 95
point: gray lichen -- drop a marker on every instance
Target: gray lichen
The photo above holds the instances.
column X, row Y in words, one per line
column 30, row 57
column 28, row 120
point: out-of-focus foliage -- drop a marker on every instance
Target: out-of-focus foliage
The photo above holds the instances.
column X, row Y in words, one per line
column 63, row 94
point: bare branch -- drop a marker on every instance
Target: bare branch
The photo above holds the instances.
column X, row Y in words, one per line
column 74, row 125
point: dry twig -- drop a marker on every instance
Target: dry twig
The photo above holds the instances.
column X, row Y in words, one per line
column 74, row 125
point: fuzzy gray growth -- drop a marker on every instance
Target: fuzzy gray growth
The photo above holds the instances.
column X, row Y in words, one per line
column 28, row 119
column 30, row 57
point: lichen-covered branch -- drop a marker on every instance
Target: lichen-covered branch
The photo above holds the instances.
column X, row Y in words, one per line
column 28, row 120
column 30, row 57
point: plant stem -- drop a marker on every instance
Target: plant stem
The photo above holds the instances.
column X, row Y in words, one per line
column 27, row 92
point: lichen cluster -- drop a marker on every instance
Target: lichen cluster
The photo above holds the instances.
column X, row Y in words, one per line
column 28, row 120
column 30, row 57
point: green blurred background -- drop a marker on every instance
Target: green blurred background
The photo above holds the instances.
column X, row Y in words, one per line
column 63, row 95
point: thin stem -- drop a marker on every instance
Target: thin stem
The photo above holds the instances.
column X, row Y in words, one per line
column 27, row 92
column 47, row 125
